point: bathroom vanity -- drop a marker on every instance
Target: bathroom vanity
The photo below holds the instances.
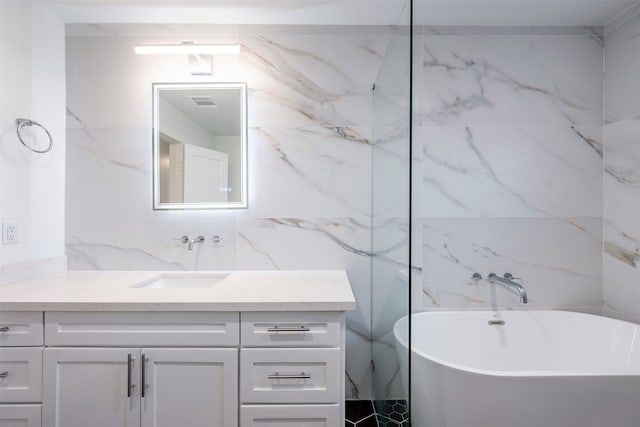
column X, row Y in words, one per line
column 165, row 349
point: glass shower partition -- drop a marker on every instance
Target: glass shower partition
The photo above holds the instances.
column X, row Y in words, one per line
column 391, row 222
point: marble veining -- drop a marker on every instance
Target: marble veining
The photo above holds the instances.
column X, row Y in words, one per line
column 492, row 79
column 89, row 255
column 509, row 172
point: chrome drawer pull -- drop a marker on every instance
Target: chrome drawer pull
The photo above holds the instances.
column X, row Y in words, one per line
column 4, row 329
column 300, row 328
column 4, row 374
column 301, row 376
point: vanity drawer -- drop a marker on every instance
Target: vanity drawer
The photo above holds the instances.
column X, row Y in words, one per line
column 20, row 415
column 290, row 415
column 20, row 328
column 301, row 375
column 291, row 329
column 137, row 329
column 20, row 375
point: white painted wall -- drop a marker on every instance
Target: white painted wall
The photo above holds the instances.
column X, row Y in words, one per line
column 178, row 126
column 32, row 85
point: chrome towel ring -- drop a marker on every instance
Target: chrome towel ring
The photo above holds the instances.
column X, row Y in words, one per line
column 20, row 123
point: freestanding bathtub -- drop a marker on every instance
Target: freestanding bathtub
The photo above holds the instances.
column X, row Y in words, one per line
column 541, row 368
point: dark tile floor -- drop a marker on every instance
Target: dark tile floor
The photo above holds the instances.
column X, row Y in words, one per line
column 384, row 413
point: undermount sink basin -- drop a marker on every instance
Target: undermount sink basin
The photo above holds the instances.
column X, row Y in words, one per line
column 181, row 281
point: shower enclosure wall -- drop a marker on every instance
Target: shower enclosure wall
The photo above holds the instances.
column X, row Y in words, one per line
column 525, row 138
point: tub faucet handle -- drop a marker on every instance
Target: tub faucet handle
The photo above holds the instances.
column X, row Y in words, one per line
column 476, row 277
column 509, row 276
column 183, row 239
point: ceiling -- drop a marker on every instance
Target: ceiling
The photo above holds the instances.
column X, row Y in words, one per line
column 345, row 12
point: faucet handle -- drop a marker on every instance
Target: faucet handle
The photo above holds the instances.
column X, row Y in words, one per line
column 183, row 239
column 476, row 277
column 509, row 276
column 217, row 239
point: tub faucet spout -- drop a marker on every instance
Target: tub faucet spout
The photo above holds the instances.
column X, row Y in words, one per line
column 508, row 282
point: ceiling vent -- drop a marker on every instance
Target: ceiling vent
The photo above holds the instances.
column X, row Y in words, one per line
column 203, row 101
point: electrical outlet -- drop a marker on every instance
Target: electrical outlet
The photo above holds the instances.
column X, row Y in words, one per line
column 9, row 233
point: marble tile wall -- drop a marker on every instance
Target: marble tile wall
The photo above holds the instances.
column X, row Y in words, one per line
column 622, row 173
column 510, row 126
column 310, row 126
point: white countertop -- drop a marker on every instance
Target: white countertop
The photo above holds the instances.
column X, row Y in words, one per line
column 326, row 290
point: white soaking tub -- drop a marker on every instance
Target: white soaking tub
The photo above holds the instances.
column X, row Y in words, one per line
column 541, row 368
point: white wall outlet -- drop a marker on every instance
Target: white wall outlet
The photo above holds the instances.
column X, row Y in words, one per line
column 9, row 233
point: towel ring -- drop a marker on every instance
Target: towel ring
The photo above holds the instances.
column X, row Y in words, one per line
column 28, row 122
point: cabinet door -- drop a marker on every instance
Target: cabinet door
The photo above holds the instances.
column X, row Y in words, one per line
column 95, row 387
column 190, row 387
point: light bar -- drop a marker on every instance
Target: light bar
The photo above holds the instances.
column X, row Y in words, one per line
column 186, row 48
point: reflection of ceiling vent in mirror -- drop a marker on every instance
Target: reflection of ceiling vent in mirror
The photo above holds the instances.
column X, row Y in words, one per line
column 203, row 101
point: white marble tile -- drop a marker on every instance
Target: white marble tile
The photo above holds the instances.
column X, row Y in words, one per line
column 386, row 379
column 512, row 79
column 504, row 171
column 621, row 84
column 622, row 267
column 309, row 172
column 622, row 168
column 559, row 261
column 108, row 173
column 294, row 79
column 312, row 79
column 389, row 172
column 390, row 302
column 358, row 365
column 149, row 244
column 336, row 243
column 311, row 243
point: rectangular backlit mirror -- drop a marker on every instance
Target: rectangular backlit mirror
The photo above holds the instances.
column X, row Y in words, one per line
column 199, row 145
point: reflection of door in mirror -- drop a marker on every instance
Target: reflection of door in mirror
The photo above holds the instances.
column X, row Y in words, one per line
column 192, row 174
column 205, row 175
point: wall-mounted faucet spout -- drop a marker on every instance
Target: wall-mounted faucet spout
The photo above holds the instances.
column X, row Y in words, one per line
column 196, row 240
column 185, row 239
column 509, row 283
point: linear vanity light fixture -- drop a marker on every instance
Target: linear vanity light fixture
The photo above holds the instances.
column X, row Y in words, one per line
column 186, row 48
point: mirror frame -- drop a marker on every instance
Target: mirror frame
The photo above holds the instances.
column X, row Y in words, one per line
column 243, row 203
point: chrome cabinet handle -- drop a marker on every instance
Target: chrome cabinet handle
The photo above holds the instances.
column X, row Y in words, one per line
column 301, row 376
column 4, row 374
column 276, row 328
column 143, row 379
column 130, row 386
column 4, row 329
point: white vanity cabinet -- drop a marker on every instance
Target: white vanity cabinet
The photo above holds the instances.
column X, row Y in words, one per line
column 292, row 369
column 168, row 369
column 21, row 344
column 141, row 386
column 103, row 349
